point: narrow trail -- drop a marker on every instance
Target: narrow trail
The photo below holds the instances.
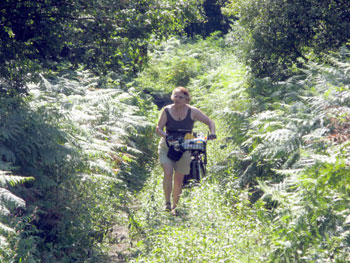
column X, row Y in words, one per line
column 120, row 247
column 119, row 244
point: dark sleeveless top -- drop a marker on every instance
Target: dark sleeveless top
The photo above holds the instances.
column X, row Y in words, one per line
column 178, row 128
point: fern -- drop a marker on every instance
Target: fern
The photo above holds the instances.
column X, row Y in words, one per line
column 105, row 150
column 80, row 138
column 275, row 134
column 99, row 114
column 8, row 202
column 7, row 179
column 314, row 180
column 11, row 129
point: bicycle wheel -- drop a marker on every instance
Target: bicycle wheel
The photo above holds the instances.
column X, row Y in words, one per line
column 195, row 171
column 201, row 169
column 190, row 178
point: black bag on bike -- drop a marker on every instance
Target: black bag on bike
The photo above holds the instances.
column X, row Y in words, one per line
column 173, row 154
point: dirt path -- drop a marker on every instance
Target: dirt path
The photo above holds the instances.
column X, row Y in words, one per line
column 120, row 246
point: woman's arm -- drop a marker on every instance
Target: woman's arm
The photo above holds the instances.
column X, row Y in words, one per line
column 200, row 116
column 161, row 124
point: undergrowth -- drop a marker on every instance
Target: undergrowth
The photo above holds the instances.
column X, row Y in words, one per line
column 208, row 228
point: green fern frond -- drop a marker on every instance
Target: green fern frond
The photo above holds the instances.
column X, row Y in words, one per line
column 4, row 229
column 10, row 200
column 11, row 128
column 288, row 172
column 279, row 135
column 8, row 178
column 286, row 191
column 275, row 136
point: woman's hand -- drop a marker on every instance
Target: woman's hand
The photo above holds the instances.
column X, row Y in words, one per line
column 212, row 136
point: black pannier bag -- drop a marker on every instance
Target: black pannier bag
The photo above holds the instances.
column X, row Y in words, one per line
column 174, row 154
column 175, row 151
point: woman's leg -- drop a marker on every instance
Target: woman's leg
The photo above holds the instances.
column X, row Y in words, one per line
column 178, row 180
column 167, row 180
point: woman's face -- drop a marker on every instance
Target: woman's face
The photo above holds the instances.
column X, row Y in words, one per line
column 179, row 98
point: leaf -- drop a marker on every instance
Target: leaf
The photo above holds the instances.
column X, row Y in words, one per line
column 10, row 199
column 5, row 229
column 7, row 178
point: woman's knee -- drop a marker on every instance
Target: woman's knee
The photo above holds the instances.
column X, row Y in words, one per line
column 168, row 170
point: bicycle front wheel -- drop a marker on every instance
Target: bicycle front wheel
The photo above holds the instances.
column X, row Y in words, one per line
column 195, row 171
column 201, row 169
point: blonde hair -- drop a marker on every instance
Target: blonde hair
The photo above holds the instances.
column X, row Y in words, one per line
column 183, row 91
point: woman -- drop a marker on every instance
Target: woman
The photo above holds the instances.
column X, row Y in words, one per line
column 177, row 116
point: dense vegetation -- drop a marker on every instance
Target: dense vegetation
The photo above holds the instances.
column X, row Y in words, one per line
column 80, row 83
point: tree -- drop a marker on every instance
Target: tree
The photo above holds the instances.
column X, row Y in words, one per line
column 214, row 20
column 102, row 35
column 275, row 34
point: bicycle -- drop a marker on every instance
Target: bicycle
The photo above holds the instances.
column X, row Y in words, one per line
column 197, row 145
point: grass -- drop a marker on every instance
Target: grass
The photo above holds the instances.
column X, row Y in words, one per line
column 207, row 229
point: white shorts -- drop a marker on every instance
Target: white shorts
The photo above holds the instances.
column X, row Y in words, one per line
column 181, row 166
